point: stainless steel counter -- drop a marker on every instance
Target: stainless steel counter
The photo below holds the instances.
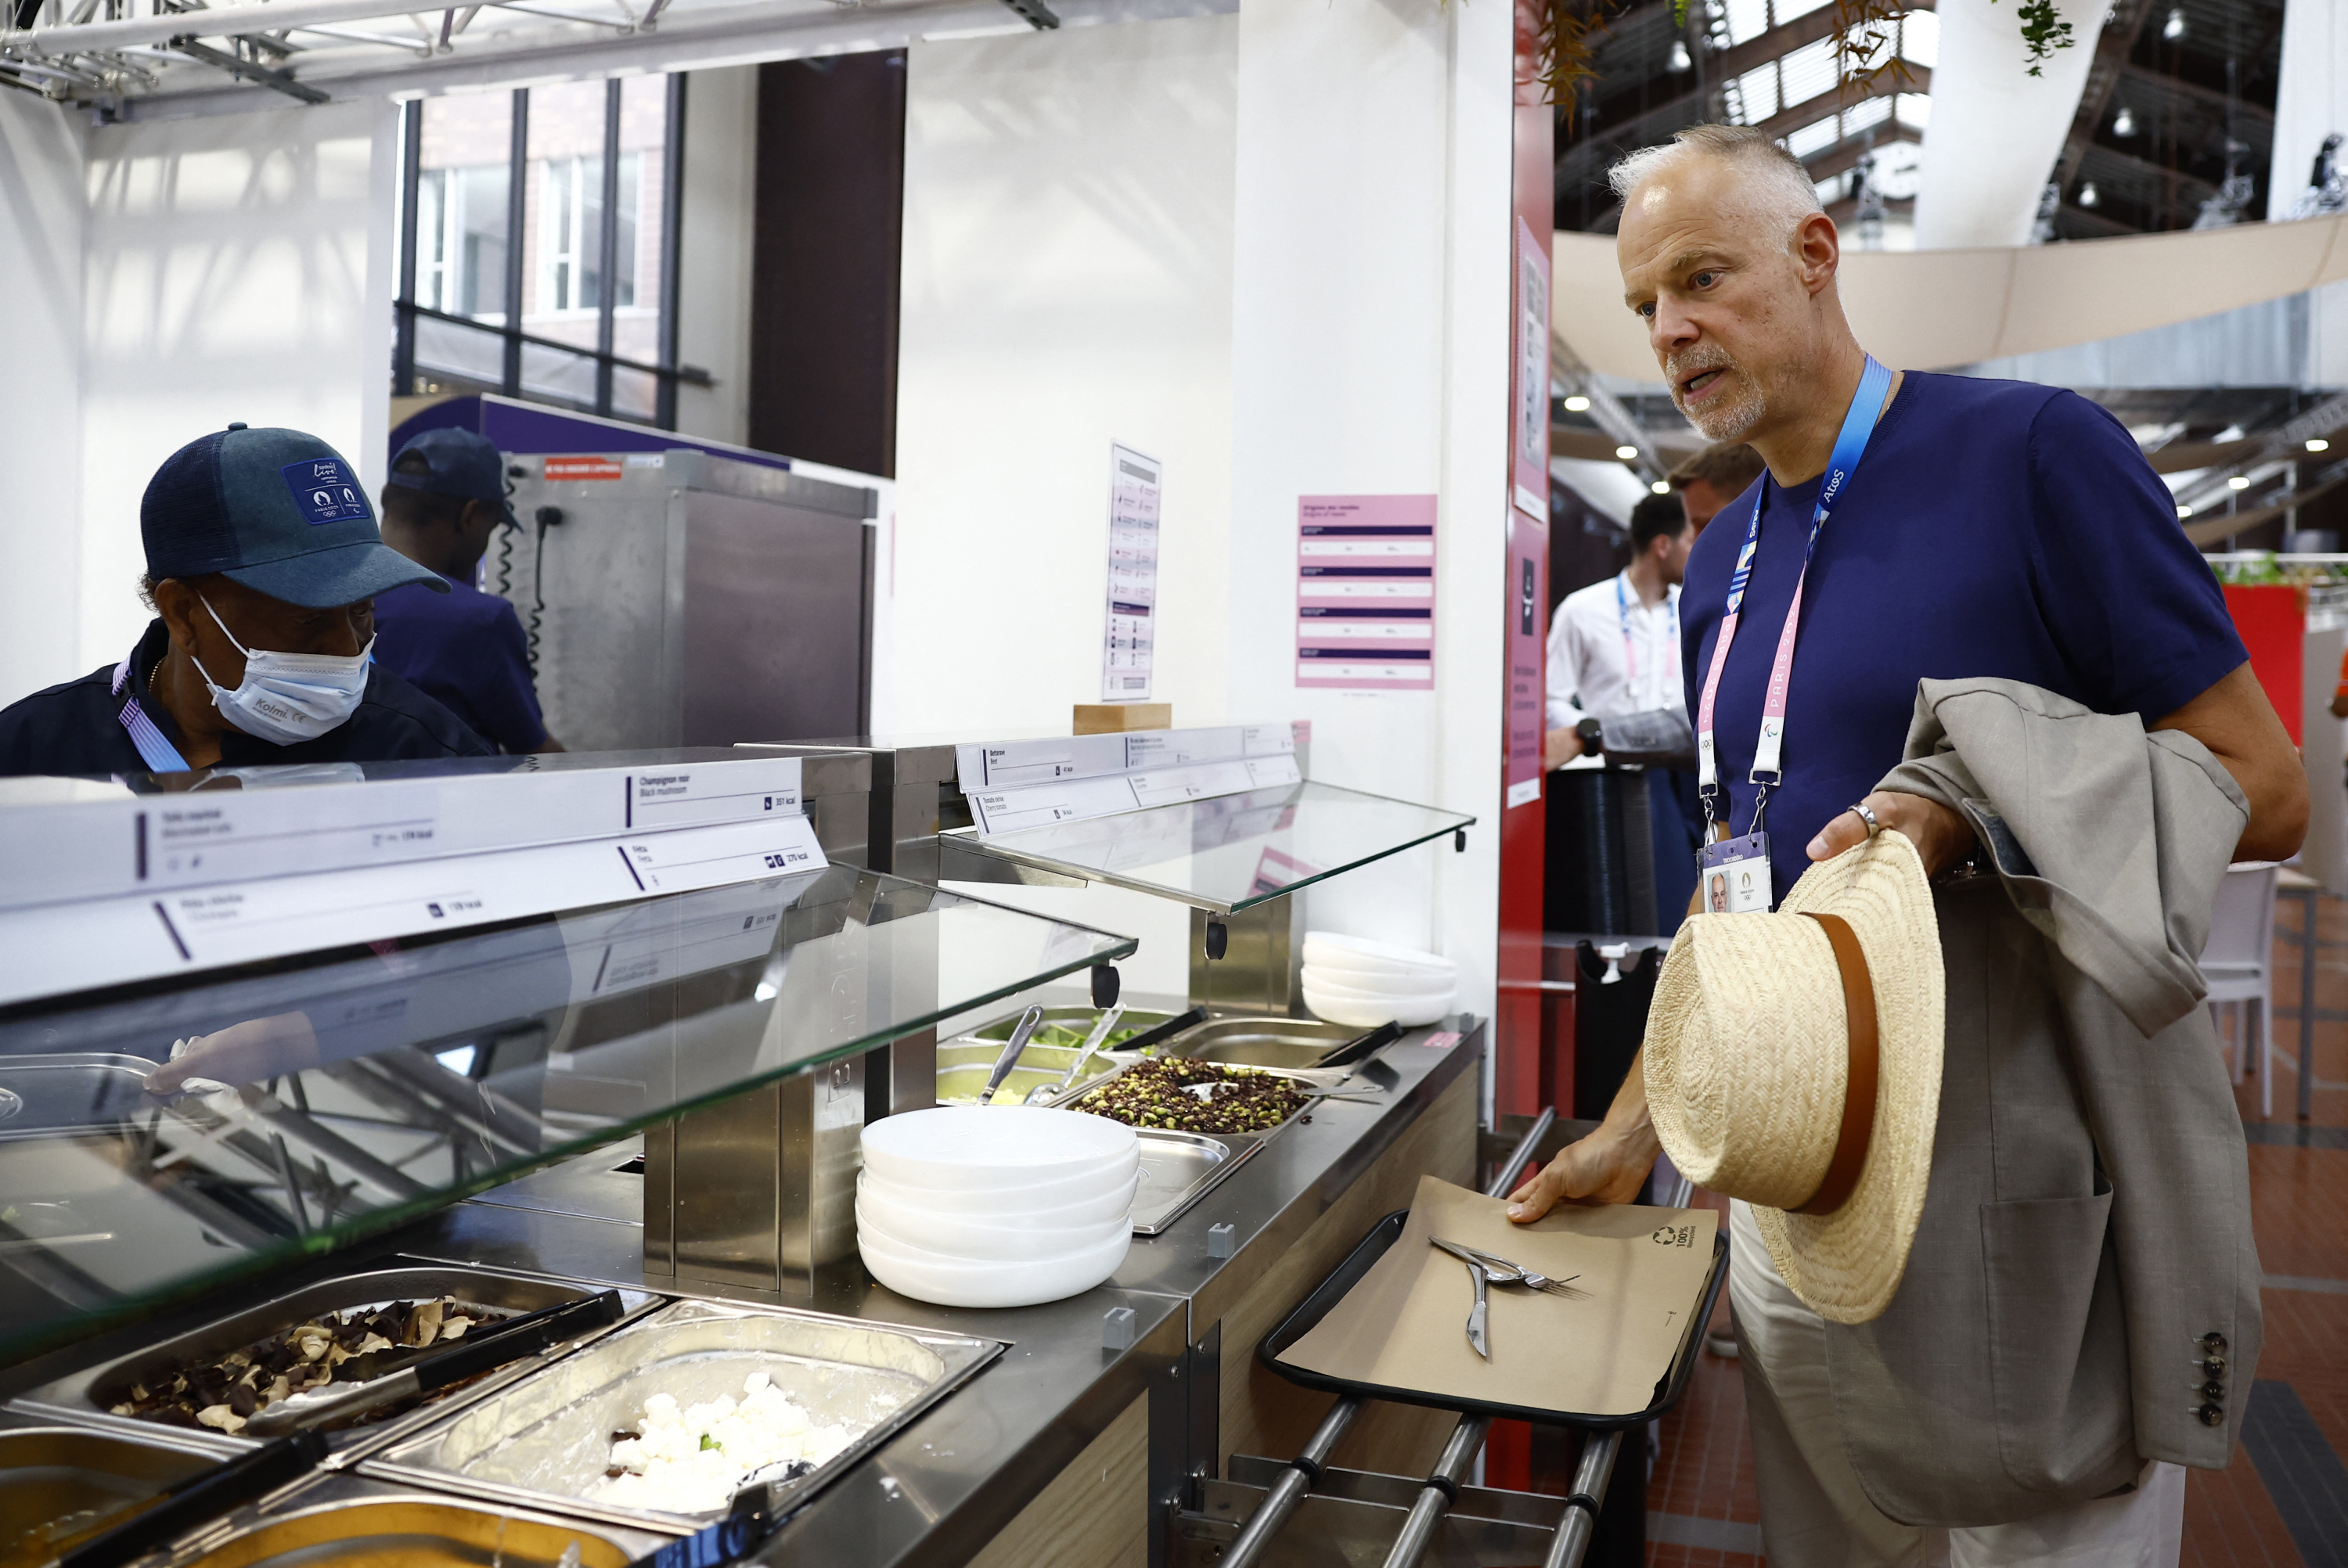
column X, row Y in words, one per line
column 939, row 1489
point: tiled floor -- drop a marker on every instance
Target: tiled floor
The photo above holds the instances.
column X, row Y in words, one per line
column 2283, row 1502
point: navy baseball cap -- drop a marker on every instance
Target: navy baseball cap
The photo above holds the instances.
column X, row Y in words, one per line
column 277, row 510
column 458, row 464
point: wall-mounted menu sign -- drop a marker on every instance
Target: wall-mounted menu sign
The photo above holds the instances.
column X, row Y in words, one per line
column 1129, row 646
column 1366, row 592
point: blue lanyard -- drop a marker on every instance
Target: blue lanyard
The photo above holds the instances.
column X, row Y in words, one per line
column 1858, row 424
column 158, row 752
column 1630, row 653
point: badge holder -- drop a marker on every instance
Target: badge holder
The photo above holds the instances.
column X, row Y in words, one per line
column 1733, row 873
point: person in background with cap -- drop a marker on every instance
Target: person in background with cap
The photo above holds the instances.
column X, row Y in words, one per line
column 263, row 563
column 445, row 497
column 1974, row 530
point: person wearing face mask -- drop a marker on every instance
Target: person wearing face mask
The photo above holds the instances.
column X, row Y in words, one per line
column 263, row 563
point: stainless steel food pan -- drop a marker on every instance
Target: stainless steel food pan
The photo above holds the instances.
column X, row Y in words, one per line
column 88, row 1395
column 60, row 1485
column 349, row 1519
column 545, row 1442
column 1079, row 1019
column 1177, row 1169
column 1294, row 1042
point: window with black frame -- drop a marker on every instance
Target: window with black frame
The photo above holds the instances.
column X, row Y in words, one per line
column 539, row 246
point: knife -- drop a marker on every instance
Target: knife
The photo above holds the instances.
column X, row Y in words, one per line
column 1475, row 1335
column 475, row 1354
column 207, row 1494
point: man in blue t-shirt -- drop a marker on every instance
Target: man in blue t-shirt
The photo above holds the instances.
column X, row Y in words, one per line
column 1992, row 529
column 445, row 497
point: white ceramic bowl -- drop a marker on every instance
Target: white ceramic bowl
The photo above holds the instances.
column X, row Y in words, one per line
column 992, row 1147
column 1328, row 950
column 1361, row 983
column 959, row 1237
column 1079, row 1200
column 956, row 1282
column 1354, row 1013
column 1356, row 987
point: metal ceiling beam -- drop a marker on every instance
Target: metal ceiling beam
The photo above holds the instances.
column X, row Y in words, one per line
column 274, row 80
column 217, row 21
column 1844, row 155
column 1778, row 42
column 689, row 39
column 2287, row 441
column 2210, row 97
column 1606, row 410
column 1818, row 105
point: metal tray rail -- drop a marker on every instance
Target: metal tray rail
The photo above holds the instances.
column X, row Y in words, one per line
column 85, row 1398
column 544, row 1443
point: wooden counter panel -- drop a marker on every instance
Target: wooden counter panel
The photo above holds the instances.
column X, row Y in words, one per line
column 1093, row 1514
column 1262, row 1413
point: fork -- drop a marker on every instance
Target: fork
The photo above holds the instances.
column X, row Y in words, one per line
column 1515, row 1273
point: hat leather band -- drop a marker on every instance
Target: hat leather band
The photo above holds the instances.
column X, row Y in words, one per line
column 1859, row 1087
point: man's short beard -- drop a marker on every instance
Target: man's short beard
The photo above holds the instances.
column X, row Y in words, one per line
column 1724, row 421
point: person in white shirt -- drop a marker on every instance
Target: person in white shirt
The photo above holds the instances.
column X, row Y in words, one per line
column 1614, row 648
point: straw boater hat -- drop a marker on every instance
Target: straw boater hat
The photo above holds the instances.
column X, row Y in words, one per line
column 1793, row 1060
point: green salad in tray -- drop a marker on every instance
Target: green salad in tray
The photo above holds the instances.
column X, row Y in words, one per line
column 1067, row 1035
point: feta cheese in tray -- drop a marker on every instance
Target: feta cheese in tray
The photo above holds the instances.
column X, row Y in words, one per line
column 658, row 1423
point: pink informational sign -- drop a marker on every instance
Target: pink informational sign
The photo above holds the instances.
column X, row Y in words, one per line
column 1528, row 377
column 1527, row 655
column 1366, row 592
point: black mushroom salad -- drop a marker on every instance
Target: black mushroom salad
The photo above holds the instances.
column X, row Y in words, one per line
column 343, row 1346
column 1196, row 1096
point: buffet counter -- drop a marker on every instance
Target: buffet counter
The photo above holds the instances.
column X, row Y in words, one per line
column 1073, row 1442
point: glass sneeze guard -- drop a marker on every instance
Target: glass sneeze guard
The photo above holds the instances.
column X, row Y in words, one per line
column 321, row 1101
column 1226, row 852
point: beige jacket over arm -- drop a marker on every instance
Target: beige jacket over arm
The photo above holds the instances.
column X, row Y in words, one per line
column 2088, row 1220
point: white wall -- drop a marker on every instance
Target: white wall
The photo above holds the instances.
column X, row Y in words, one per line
column 40, row 445
column 1370, row 357
column 1272, row 251
column 237, row 269
column 1066, row 285
column 713, row 321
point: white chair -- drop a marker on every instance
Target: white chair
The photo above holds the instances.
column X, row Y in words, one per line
column 2238, row 964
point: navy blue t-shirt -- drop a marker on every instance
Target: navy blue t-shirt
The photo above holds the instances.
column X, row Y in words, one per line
column 1992, row 529
column 465, row 649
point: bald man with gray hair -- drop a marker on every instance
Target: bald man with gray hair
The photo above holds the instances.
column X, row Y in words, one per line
column 1973, row 529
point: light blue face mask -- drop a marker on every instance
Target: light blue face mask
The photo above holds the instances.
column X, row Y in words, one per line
column 288, row 697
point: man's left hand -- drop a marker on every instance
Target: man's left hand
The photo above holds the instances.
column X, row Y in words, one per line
column 1941, row 836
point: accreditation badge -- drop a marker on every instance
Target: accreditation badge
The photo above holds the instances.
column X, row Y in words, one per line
column 1733, row 876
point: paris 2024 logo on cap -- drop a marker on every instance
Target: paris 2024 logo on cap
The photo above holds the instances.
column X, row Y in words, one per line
column 325, row 491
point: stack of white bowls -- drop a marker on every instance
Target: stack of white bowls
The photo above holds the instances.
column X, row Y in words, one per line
column 996, row 1205
column 1356, row 982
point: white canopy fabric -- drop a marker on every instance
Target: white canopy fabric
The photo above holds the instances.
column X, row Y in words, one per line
column 1926, row 310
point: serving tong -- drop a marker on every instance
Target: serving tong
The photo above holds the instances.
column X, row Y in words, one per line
column 1105, row 1022
column 1021, row 1033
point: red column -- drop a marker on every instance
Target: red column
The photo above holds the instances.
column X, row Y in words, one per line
column 1517, row 1021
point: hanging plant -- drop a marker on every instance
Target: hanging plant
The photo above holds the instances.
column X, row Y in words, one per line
column 1566, row 44
column 1865, row 37
column 2044, row 30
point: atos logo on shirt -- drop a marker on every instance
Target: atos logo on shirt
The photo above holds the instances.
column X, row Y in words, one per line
column 325, row 491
